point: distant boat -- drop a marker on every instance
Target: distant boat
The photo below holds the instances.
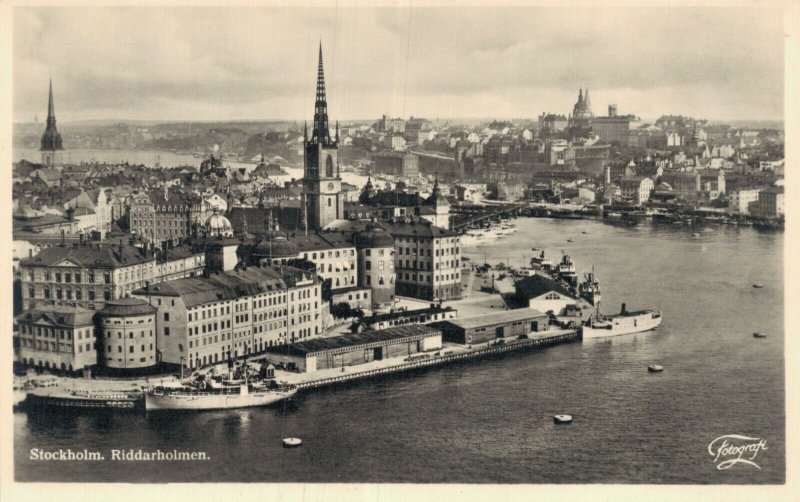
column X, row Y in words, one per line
column 655, row 368
column 621, row 324
column 758, row 285
column 759, row 334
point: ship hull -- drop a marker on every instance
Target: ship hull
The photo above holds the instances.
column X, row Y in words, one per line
column 624, row 325
column 159, row 402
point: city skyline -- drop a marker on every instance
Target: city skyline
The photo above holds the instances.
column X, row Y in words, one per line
column 404, row 64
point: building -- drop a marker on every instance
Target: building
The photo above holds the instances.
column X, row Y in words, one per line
column 427, row 260
column 636, row 188
column 322, row 198
column 613, row 128
column 167, row 217
column 51, row 147
column 740, row 200
column 103, row 203
column 88, row 275
column 402, row 317
column 376, row 263
column 582, row 115
column 487, row 327
column 57, row 337
column 674, row 139
column 396, row 142
column 553, row 123
column 351, row 350
column 126, row 335
column 439, row 208
column 402, row 164
column 544, row 294
column 770, row 203
column 204, row 320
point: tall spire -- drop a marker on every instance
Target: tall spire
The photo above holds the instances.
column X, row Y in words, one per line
column 586, row 99
column 51, row 109
column 51, row 139
column 580, row 95
column 321, row 134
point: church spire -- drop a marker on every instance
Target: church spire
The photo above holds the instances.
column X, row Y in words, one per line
column 321, row 134
column 586, row 99
column 51, row 109
column 580, row 95
column 51, row 139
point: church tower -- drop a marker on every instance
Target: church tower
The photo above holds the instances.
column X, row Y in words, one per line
column 323, row 201
column 51, row 145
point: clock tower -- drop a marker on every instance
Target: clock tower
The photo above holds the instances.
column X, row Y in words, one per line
column 323, row 201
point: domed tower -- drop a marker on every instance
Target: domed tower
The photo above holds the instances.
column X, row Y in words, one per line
column 127, row 335
column 440, row 205
column 221, row 247
column 275, row 249
column 52, row 146
column 375, row 248
column 367, row 193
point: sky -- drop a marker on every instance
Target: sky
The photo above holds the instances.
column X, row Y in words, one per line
column 249, row 63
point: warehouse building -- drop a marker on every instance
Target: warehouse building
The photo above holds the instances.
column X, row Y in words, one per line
column 350, row 350
column 483, row 328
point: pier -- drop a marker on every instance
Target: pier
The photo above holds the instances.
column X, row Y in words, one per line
column 448, row 354
column 467, row 215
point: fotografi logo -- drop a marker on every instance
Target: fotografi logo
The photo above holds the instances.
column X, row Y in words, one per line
column 734, row 449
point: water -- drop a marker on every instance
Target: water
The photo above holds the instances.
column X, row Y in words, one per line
column 165, row 159
column 490, row 421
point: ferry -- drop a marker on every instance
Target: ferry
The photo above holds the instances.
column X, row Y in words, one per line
column 215, row 398
column 623, row 323
column 212, row 392
column 541, row 263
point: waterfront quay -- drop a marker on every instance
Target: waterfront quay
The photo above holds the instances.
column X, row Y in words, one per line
column 128, row 396
column 449, row 353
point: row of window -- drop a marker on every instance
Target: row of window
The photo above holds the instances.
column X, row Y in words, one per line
column 68, row 277
column 62, row 334
column 67, row 294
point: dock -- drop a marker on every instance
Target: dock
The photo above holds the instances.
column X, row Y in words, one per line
column 447, row 355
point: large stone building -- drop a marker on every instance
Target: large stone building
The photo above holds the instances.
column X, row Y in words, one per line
column 167, row 217
column 323, row 200
column 51, row 147
column 427, row 260
column 770, row 203
column 126, row 335
column 57, row 337
column 205, row 320
column 88, row 275
column 403, row 164
column 376, row 263
column 614, row 128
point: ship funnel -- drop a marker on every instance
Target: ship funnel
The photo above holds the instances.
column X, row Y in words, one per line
column 623, row 308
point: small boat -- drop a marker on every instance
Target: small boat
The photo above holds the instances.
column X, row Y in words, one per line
column 292, row 442
column 655, row 368
column 758, row 285
column 562, row 419
column 695, row 234
column 584, row 232
column 570, row 240
column 759, row 334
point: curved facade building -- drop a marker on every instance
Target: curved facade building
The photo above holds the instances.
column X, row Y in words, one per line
column 127, row 334
column 375, row 247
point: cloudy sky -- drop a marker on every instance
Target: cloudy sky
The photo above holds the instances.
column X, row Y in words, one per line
column 260, row 63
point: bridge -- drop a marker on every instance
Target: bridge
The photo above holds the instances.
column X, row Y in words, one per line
column 466, row 215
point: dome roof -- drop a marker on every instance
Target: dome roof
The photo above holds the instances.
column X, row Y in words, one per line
column 374, row 237
column 276, row 248
column 126, row 307
column 218, row 225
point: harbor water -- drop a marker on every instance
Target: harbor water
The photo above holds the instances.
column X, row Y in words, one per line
column 491, row 420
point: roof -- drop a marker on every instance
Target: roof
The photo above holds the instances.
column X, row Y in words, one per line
column 126, row 307
column 89, row 256
column 538, row 284
column 228, row 285
column 58, row 315
column 505, row 316
column 401, row 314
column 353, row 340
column 415, row 228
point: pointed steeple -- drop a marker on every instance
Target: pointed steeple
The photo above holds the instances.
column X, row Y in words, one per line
column 321, row 133
column 580, row 95
column 51, row 110
column 337, row 131
column 51, row 139
column 586, row 99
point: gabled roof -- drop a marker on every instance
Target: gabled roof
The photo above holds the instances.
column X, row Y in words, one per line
column 58, row 315
column 537, row 285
